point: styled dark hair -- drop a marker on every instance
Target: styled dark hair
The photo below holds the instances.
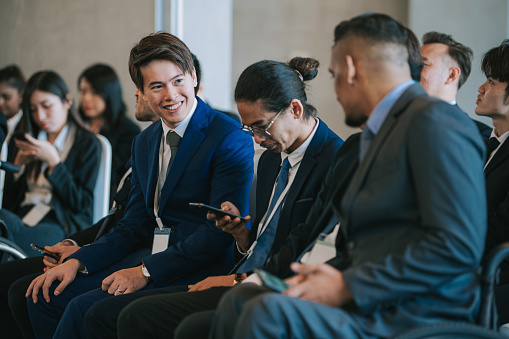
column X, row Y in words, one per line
column 276, row 84
column 415, row 60
column 460, row 53
column 13, row 76
column 105, row 82
column 158, row 46
column 495, row 64
column 375, row 27
column 51, row 82
column 197, row 68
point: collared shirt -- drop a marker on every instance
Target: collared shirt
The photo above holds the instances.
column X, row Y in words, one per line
column 294, row 158
column 501, row 139
column 11, row 125
column 452, row 103
column 379, row 114
column 165, row 150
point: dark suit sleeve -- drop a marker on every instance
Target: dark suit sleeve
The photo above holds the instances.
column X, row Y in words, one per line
column 444, row 160
column 498, row 225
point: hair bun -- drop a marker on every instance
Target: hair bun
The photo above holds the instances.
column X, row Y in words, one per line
column 306, row 67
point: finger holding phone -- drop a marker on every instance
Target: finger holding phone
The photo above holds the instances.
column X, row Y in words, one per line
column 235, row 227
column 63, row 249
column 33, row 149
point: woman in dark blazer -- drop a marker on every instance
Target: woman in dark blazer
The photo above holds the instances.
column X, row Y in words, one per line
column 103, row 110
column 52, row 196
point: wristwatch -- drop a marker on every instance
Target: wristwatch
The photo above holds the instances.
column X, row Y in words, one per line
column 145, row 272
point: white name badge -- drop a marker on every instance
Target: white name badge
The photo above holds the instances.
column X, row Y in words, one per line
column 161, row 240
column 36, row 214
column 321, row 252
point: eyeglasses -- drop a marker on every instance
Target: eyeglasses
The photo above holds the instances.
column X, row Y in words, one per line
column 261, row 132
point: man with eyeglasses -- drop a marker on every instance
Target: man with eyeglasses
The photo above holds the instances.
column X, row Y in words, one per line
column 300, row 150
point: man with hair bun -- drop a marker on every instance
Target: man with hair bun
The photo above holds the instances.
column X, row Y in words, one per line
column 191, row 154
column 413, row 219
column 447, row 65
column 272, row 102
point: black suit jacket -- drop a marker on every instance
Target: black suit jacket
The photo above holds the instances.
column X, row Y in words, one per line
column 342, row 168
column 306, row 185
column 497, row 192
column 484, row 129
column 72, row 181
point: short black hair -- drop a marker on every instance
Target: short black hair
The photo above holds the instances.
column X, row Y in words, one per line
column 460, row 53
column 415, row 60
column 13, row 76
column 375, row 27
column 495, row 64
column 197, row 69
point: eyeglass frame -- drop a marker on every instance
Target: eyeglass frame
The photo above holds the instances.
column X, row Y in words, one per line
column 264, row 133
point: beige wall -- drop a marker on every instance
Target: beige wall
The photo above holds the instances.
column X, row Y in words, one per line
column 68, row 36
column 282, row 29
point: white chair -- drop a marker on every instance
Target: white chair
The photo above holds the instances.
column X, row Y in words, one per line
column 102, row 185
column 3, row 158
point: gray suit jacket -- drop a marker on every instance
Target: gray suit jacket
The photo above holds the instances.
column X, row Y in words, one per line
column 414, row 219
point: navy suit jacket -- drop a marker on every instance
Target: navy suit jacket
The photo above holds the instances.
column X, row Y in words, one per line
column 305, row 187
column 214, row 163
column 414, row 219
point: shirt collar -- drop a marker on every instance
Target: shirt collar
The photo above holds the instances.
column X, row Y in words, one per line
column 181, row 128
column 13, row 122
column 452, row 103
column 377, row 117
column 296, row 156
column 59, row 141
column 501, row 138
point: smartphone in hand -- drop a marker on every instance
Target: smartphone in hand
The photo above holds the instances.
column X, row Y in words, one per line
column 214, row 210
column 21, row 135
column 45, row 252
column 271, row 281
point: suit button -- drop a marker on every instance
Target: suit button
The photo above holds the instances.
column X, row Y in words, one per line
column 350, row 245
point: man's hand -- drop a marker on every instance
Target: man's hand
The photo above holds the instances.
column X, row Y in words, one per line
column 318, row 283
column 235, row 227
column 64, row 273
column 222, row 280
column 63, row 249
column 125, row 281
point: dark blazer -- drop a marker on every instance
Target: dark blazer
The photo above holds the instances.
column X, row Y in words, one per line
column 318, row 217
column 414, row 219
column 214, row 163
column 497, row 192
column 483, row 129
column 306, row 185
column 121, row 137
column 72, row 181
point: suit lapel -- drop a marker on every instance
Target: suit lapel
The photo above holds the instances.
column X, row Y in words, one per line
column 499, row 157
column 154, row 142
column 193, row 138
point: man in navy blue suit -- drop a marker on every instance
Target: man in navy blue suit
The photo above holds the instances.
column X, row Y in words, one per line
column 193, row 154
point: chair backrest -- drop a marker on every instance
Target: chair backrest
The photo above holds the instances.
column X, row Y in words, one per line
column 3, row 157
column 102, row 185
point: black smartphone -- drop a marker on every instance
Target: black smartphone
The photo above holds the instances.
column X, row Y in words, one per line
column 45, row 252
column 214, row 210
column 271, row 281
column 21, row 135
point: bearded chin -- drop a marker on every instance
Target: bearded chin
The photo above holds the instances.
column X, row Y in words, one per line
column 354, row 121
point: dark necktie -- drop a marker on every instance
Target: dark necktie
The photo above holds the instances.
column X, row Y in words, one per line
column 492, row 145
column 266, row 239
column 173, row 140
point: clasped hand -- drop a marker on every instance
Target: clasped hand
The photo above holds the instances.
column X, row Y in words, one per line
column 125, row 281
column 321, row 283
column 33, row 149
column 235, row 227
column 63, row 249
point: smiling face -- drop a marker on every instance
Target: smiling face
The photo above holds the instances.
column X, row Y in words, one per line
column 48, row 111
column 492, row 101
column 168, row 90
column 10, row 100
column 92, row 103
column 285, row 131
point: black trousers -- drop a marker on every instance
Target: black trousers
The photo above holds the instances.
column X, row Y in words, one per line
column 15, row 323
column 148, row 314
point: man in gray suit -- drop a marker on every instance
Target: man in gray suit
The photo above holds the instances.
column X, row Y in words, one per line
column 413, row 217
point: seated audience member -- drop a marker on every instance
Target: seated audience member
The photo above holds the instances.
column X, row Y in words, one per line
column 493, row 102
column 52, row 196
column 272, row 101
column 447, row 65
column 12, row 290
column 199, row 88
column 12, row 83
column 193, row 154
column 404, row 259
column 186, row 314
column 103, row 110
